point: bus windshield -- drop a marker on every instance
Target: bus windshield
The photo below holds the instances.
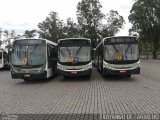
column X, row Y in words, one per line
column 121, row 52
column 74, row 54
column 28, row 55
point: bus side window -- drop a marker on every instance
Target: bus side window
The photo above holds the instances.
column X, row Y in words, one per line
column 5, row 56
column 51, row 55
column 0, row 55
column 49, row 50
column 52, row 51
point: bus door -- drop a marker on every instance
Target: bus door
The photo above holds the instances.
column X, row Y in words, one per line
column 51, row 56
column 1, row 61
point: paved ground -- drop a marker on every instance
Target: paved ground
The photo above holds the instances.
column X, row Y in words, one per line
column 82, row 98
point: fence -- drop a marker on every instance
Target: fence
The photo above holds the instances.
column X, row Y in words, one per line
column 148, row 55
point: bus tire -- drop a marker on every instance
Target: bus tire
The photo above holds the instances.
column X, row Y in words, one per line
column 88, row 76
column 129, row 76
column 65, row 77
column 102, row 72
column 26, row 79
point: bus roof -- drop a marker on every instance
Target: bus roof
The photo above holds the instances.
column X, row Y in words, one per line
column 48, row 41
column 74, row 39
column 114, row 37
column 2, row 50
column 120, row 37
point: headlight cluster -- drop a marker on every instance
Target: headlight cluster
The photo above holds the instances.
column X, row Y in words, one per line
column 86, row 67
column 136, row 65
column 43, row 68
column 59, row 67
column 14, row 70
column 105, row 65
column 89, row 66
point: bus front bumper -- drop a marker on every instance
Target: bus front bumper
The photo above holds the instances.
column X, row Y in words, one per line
column 75, row 73
column 121, row 72
column 41, row 75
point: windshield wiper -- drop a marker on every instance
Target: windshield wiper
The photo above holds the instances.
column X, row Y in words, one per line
column 127, row 48
column 34, row 48
column 78, row 50
column 69, row 51
column 115, row 48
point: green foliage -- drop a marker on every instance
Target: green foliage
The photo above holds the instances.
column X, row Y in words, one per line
column 114, row 23
column 29, row 33
column 89, row 17
column 71, row 29
column 145, row 17
column 51, row 28
column 9, row 34
column 89, row 24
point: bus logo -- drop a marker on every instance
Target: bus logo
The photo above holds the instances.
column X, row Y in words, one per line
column 71, row 59
column 76, row 59
column 124, row 57
column 24, row 62
column 119, row 57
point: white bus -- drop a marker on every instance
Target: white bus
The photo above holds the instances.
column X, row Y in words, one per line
column 4, row 63
column 74, row 57
column 118, row 56
column 33, row 59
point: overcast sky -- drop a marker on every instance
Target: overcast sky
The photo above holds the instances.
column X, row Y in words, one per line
column 21, row 15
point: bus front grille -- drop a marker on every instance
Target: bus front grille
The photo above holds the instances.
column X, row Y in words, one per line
column 122, row 67
column 75, row 69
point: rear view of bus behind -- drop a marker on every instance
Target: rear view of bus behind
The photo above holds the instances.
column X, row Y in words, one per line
column 33, row 59
column 74, row 57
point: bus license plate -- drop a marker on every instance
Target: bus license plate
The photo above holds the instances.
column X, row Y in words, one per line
column 27, row 75
column 73, row 72
column 122, row 71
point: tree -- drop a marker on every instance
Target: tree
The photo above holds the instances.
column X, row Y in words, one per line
column 114, row 22
column 29, row 33
column 9, row 35
column 71, row 29
column 145, row 18
column 89, row 17
column 51, row 28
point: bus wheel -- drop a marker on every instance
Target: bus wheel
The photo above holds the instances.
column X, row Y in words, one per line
column 88, row 76
column 65, row 77
column 129, row 75
column 26, row 79
column 102, row 72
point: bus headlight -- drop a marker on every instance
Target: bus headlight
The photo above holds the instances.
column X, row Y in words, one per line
column 105, row 65
column 137, row 65
column 14, row 70
column 59, row 67
column 89, row 66
column 43, row 68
